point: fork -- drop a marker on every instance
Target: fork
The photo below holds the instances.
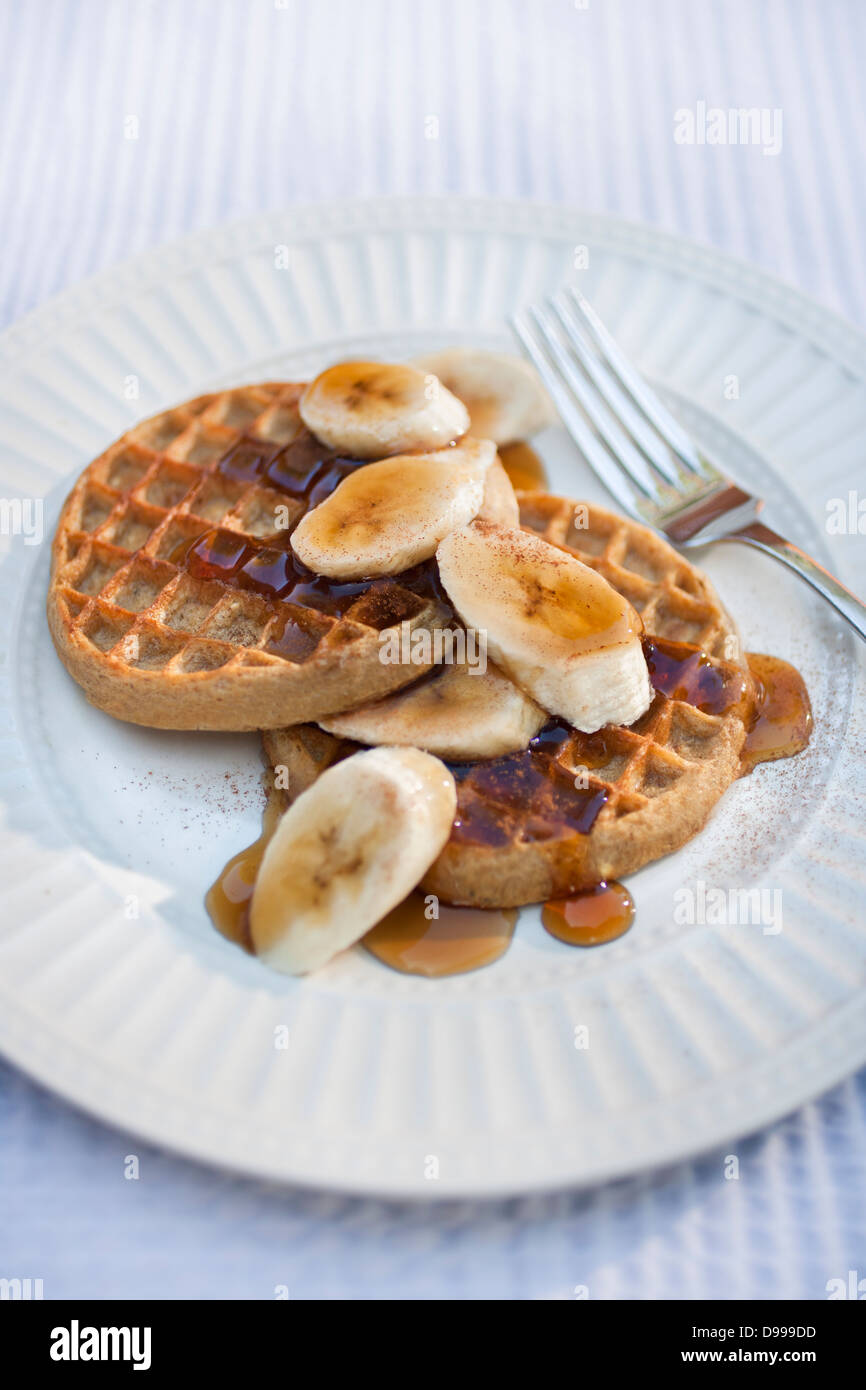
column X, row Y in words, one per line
column 641, row 453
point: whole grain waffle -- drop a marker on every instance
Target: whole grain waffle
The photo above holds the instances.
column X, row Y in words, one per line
column 175, row 600
column 574, row 809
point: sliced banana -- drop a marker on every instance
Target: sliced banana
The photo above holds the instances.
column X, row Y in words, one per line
column 370, row 410
column 500, row 503
column 459, row 712
column 557, row 628
column 346, row 852
column 503, row 394
column 388, row 516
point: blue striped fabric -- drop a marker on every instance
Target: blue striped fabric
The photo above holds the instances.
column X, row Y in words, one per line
column 126, row 123
column 236, row 106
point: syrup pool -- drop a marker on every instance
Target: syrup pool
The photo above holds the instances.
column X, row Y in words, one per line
column 454, row 941
column 591, row 917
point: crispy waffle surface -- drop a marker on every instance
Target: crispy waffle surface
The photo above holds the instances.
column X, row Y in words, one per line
column 154, row 642
column 577, row 809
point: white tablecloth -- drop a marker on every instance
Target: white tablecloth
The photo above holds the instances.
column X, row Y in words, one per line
column 127, row 124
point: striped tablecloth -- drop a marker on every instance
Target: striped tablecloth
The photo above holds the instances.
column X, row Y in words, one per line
column 127, row 124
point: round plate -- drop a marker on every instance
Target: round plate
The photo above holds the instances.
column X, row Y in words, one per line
column 556, row 1065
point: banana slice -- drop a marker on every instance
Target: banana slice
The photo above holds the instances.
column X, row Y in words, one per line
column 346, row 852
column 459, row 712
column 388, row 516
column 369, row 410
column 503, row 394
column 555, row 627
column 500, row 503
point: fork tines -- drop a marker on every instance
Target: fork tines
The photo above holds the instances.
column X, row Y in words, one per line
column 630, row 440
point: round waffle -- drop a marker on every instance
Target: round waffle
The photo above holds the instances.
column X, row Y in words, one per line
column 175, row 601
column 575, row 809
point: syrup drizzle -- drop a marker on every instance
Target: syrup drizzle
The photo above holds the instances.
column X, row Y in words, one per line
column 782, row 724
column 228, row 899
column 523, row 466
column 775, row 706
column 278, row 575
column 458, row 940
column 305, row 471
column 590, row 917
column 500, row 789
column 268, row 570
column 683, row 672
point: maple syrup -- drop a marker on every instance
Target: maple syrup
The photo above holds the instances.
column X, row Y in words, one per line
column 524, row 468
column 213, row 554
column 246, row 460
column 305, row 471
column 590, row 917
column 278, row 576
column 683, row 672
column 271, row 571
column 228, row 900
column 782, row 724
column 458, row 940
column 531, row 786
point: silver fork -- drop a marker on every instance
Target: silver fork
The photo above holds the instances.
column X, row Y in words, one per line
column 641, row 453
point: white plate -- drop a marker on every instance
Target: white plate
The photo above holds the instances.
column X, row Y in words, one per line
column 697, row 1033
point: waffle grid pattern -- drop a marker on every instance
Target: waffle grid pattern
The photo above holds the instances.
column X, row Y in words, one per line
column 165, row 483
column 674, row 599
column 622, row 773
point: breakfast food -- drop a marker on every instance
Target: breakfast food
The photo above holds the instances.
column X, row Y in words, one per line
column 570, row 810
column 370, row 410
column 347, row 852
column 504, row 395
column 176, row 600
column 554, row 625
column 673, row 597
column 461, row 713
column 390, row 516
column 470, row 699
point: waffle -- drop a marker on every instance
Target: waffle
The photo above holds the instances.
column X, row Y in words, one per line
column 157, row 633
column 525, row 831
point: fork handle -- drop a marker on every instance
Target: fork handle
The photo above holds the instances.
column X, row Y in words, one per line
column 842, row 599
